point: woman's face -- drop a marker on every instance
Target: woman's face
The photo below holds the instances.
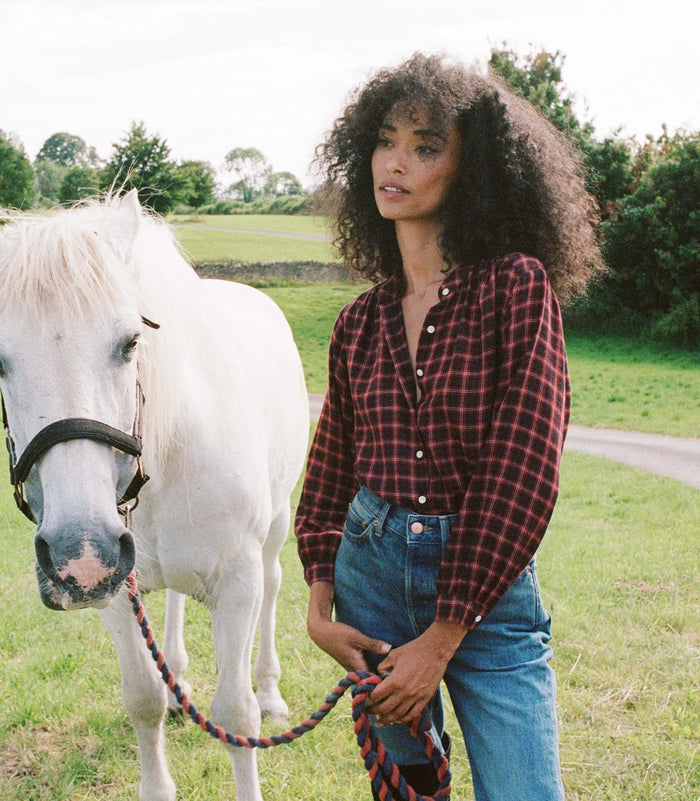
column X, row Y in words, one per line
column 414, row 165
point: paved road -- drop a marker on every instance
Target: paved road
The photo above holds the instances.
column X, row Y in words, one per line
column 668, row 456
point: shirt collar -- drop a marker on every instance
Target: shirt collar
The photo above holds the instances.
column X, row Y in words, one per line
column 390, row 290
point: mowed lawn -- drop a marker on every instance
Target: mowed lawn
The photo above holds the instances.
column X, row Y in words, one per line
column 619, row 571
column 616, row 382
column 253, row 238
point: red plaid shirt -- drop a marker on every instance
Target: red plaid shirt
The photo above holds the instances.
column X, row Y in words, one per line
column 484, row 441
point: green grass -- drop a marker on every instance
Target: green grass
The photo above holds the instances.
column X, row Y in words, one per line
column 277, row 223
column 312, row 310
column 634, row 384
column 619, row 571
column 617, row 382
column 224, row 245
column 222, row 238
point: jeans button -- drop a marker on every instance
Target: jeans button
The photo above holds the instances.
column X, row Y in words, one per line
column 417, row 528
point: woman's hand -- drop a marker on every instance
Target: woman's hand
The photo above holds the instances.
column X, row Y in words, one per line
column 415, row 672
column 344, row 643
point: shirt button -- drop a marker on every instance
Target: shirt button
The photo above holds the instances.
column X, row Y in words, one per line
column 477, row 619
column 422, row 499
column 430, row 329
column 417, row 528
column 419, row 372
column 446, row 291
column 419, row 454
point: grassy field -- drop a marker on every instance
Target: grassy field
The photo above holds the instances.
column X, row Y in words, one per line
column 619, row 571
column 220, row 238
column 616, row 382
column 277, row 223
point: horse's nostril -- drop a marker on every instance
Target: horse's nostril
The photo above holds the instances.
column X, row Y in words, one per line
column 127, row 557
column 43, row 557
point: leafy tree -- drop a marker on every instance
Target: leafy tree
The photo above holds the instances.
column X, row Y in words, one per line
column 653, row 243
column 68, row 150
column 649, row 198
column 140, row 161
column 49, row 176
column 610, row 166
column 199, row 182
column 17, row 187
column 79, row 183
column 537, row 77
column 250, row 170
column 281, row 184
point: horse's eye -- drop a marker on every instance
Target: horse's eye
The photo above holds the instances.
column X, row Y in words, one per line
column 129, row 349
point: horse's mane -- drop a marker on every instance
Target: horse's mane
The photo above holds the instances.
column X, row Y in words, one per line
column 63, row 262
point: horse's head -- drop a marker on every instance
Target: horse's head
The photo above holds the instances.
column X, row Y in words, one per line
column 69, row 333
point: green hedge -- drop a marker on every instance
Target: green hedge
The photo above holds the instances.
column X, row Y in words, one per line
column 287, row 204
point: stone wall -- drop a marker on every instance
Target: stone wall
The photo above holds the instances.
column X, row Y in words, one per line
column 310, row 271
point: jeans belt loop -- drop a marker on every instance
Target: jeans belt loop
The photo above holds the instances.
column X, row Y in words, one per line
column 379, row 524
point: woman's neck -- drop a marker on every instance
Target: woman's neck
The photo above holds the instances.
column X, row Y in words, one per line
column 423, row 262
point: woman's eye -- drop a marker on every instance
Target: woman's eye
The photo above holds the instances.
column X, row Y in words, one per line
column 427, row 150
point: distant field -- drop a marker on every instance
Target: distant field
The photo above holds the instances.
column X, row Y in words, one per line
column 221, row 238
column 617, row 382
column 628, row 383
column 284, row 223
column 619, row 572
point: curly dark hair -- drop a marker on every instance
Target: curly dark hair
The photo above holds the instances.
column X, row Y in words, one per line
column 520, row 184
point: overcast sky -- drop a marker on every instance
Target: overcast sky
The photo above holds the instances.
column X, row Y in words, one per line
column 211, row 75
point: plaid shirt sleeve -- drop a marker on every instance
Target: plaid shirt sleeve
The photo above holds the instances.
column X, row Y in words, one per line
column 330, row 483
column 512, row 492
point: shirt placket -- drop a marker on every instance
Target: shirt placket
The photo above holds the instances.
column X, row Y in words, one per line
column 426, row 363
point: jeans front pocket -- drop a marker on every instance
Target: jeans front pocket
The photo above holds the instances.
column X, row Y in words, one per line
column 356, row 527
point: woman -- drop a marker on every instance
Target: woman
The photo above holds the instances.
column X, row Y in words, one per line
column 434, row 469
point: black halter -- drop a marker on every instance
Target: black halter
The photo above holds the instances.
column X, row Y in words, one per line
column 76, row 428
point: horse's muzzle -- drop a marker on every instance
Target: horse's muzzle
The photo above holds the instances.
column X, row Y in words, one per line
column 75, row 572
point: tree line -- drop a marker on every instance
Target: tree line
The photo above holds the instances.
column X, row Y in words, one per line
column 648, row 194
column 67, row 170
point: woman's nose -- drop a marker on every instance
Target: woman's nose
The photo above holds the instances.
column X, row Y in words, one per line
column 396, row 162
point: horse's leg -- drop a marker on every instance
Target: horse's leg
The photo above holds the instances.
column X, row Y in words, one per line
column 235, row 611
column 174, row 644
column 267, row 666
column 144, row 695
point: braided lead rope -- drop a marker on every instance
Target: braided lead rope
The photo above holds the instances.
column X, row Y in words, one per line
column 384, row 774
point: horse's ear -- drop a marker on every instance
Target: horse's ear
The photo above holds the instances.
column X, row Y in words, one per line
column 122, row 224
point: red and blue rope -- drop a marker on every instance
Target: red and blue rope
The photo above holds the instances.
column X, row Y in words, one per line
column 384, row 774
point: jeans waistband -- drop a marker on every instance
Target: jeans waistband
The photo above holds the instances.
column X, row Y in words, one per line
column 403, row 522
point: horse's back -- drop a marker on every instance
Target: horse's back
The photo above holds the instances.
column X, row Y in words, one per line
column 254, row 363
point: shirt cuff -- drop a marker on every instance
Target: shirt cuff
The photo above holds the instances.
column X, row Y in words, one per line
column 323, row 572
column 456, row 610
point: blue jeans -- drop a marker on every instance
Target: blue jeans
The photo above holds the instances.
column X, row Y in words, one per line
column 500, row 683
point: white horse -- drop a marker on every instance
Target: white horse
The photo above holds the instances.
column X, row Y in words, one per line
column 97, row 305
